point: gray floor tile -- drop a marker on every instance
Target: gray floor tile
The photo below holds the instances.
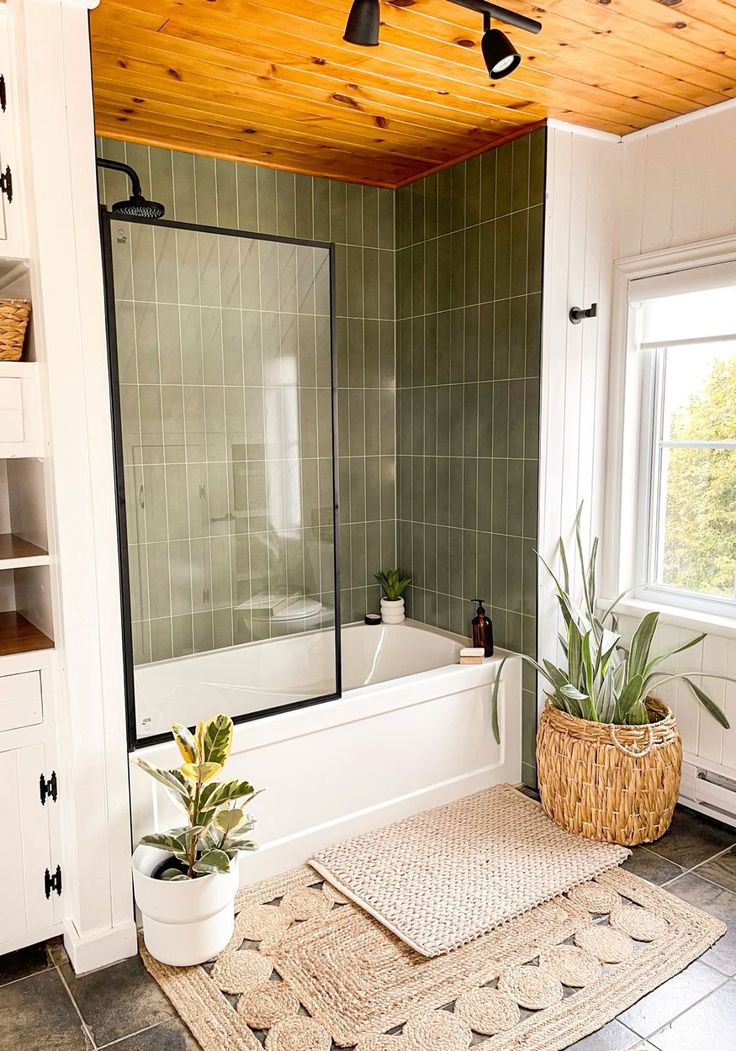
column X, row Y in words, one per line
column 676, row 995
column 693, row 838
column 172, row 1035
column 709, row 1026
column 612, row 1037
column 721, row 870
column 119, row 1000
column 650, row 866
column 20, row 964
column 41, row 1016
column 720, row 903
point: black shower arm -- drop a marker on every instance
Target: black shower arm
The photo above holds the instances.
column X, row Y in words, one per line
column 118, row 166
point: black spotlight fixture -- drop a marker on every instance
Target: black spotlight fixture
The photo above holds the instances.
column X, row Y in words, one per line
column 499, row 54
column 363, row 22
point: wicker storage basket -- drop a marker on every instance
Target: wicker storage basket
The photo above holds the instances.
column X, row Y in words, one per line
column 616, row 784
column 14, row 314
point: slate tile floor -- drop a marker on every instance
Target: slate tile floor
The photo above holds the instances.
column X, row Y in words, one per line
column 45, row 1007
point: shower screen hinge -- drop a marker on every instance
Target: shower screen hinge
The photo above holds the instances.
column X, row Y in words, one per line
column 48, row 787
column 6, row 183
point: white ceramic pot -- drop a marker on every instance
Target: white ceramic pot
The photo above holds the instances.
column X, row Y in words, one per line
column 392, row 611
column 185, row 922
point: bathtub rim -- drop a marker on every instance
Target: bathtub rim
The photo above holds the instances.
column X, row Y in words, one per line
column 137, row 744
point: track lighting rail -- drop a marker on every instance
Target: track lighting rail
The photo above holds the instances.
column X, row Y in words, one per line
column 502, row 14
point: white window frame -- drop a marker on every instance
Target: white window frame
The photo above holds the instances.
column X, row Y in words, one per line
column 629, row 466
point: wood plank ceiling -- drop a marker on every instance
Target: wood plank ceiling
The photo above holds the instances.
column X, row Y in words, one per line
column 273, row 83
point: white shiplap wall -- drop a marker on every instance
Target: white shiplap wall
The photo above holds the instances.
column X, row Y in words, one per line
column 583, row 181
column 673, row 184
column 679, row 188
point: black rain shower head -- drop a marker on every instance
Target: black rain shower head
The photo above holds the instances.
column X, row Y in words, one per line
column 136, row 207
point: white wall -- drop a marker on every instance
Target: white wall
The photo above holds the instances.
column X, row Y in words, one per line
column 608, row 199
column 581, row 232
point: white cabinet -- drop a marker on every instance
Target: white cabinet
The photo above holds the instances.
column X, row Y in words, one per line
column 12, row 218
column 20, row 414
column 30, row 899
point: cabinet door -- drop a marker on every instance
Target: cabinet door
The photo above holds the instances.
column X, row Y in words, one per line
column 24, row 906
column 12, row 220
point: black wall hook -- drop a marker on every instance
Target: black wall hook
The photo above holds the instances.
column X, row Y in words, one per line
column 577, row 314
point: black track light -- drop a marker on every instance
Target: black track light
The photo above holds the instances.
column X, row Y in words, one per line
column 363, row 22
column 499, row 54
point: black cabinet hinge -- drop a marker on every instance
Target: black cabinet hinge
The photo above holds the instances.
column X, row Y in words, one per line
column 52, row 882
column 3, row 93
column 48, row 788
column 6, row 183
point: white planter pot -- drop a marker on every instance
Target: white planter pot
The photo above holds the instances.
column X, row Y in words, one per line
column 185, row 922
column 392, row 612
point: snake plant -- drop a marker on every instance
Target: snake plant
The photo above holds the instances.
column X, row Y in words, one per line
column 217, row 825
column 602, row 680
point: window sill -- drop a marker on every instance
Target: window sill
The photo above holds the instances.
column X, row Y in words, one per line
column 696, row 620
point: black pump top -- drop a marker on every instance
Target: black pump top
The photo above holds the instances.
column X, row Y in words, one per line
column 480, row 602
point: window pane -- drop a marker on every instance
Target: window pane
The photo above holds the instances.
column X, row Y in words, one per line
column 700, row 393
column 698, row 540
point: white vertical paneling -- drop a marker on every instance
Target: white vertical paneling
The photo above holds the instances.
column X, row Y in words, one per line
column 583, row 177
column 679, row 187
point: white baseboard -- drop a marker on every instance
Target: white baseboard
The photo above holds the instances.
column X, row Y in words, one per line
column 100, row 948
column 283, row 854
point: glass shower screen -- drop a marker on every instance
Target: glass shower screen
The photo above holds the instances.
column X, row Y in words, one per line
column 223, row 398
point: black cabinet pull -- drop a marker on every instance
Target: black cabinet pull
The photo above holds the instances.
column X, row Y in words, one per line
column 3, row 93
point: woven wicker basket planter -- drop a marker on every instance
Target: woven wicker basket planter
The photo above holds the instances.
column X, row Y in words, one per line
column 616, row 784
column 14, row 314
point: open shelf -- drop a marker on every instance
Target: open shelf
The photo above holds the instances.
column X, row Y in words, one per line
column 17, row 553
column 18, row 635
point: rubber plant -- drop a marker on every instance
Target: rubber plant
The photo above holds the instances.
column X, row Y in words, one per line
column 392, row 583
column 217, row 825
column 602, row 680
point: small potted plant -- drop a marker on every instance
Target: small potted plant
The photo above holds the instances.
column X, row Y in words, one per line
column 609, row 754
column 393, row 586
column 186, row 879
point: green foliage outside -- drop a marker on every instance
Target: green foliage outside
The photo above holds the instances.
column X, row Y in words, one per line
column 700, row 535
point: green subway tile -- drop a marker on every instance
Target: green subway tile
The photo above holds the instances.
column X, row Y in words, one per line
column 202, row 631
column 372, row 422
column 416, row 198
column 499, row 496
column 503, row 251
column 162, row 179
column 321, row 206
column 304, row 220
column 227, row 195
column 517, row 397
column 501, row 338
column 517, row 337
column 386, row 206
column 537, row 164
column 161, row 643
column 470, row 419
column 487, row 262
column 205, row 190
column 531, row 419
column 403, row 217
column 246, row 185
column 386, row 285
column 520, row 173
column 354, row 211
column 528, row 578
column 457, row 268
column 499, row 572
column 519, row 252
column 457, row 182
column 515, row 498
column 535, row 249
column 488, row 185
column 529, row 731
column 531, row 497
column 470, row 491
column 371, row 288
column 485, row 483
column 267, row 201
column 444, row 201
column 472, row 265
column 338, row 212
column 504, row 176
column 370, row 233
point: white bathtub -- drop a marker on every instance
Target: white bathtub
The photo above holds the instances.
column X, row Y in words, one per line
column 411, row 731
column 255, row 677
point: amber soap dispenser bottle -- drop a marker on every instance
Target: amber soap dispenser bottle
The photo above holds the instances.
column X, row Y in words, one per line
column 482, row 629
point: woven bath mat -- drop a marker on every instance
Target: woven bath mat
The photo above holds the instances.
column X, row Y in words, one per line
column 317, row 973
column 448, row 875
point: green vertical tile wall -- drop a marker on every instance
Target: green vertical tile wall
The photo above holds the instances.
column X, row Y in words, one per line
column 439, row 289
column 360, row 221
column 469, row 244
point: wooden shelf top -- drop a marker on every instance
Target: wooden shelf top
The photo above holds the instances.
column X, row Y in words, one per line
column 14, row 547
column 18, row 635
